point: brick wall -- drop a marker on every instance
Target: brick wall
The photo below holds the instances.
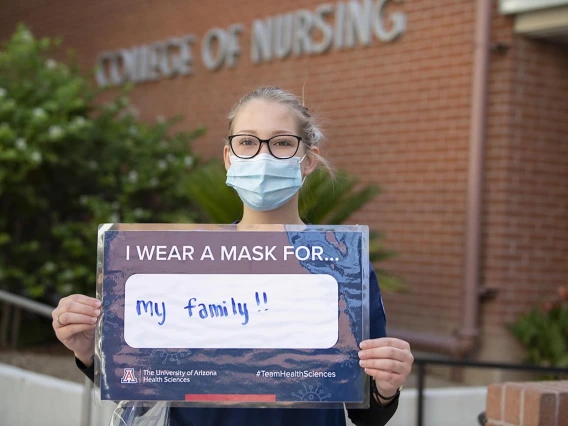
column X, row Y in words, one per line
column 398, row 115
column 528, row 404
column 526, row 198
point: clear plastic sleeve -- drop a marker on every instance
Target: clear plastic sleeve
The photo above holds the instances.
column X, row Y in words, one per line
column 249, row 376
column 132, row 413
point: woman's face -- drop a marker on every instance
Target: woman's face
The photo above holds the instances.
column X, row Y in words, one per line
column 266, row 119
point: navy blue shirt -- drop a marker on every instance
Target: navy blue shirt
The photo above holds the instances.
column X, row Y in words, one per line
column 375, row 415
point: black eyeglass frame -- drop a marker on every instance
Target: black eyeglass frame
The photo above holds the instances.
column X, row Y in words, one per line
column 261, row 141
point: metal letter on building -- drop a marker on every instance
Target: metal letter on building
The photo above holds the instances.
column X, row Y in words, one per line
column 219, row 36
column 101, row 66
column 128, row 58
column 185, row 58
column 326, row 29
column 233, row 49
column 153, row 62
column 339, row 25
column 302, row 29
column 283, row 25
column 358, row 23
column 261, row 46
column 398, row 22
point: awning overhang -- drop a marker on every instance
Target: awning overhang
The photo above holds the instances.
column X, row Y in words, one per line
column 547, row 19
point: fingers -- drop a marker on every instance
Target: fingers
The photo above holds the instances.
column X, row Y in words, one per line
column 377, row 349
column 386, row 353
column 385, row 342
column 76, row 309
column 389, row 365
column 388, row 360
column 65, row 333
column 386, row 379
column 69, row 318
column 82, row 299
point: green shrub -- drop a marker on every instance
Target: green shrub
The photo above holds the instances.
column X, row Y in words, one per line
column 544, row 332
column 69, row 162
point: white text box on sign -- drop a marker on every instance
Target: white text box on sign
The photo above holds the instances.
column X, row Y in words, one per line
column 231, row 311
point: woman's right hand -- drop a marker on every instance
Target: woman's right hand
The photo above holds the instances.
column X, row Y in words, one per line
column 74, row 322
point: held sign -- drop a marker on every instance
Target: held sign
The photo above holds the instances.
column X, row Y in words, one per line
column 211, row 314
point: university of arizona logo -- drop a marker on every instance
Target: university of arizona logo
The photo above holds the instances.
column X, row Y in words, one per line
column 129, row 376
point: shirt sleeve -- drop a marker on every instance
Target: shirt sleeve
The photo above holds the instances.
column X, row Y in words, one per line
column 87, row 371
column 377, row 315
column 375, row 415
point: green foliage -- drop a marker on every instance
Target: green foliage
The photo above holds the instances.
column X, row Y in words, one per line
column 332, row 200
column 68, row 163
column 544, row 332
column 217, row 202
column 323, row 200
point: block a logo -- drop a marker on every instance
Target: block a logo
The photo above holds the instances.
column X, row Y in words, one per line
column 129, row 376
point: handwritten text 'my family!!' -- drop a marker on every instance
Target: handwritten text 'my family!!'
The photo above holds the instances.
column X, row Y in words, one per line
column 202, row 310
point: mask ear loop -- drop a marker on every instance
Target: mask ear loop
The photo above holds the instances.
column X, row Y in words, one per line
column 300, row 162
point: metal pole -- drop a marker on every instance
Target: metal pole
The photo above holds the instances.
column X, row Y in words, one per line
column 16, row 323
column 86, row 403
column 4, row 325
column 27, row 304
column 420, row 402
column 46, row 311
column 491, row 365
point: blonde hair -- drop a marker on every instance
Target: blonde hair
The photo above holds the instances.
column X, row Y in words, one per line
column 308, row 128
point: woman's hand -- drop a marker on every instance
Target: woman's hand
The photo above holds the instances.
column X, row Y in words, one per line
column 74, row 324
column 388, row 361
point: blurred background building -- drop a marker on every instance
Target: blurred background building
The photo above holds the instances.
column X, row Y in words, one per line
column 458, row 111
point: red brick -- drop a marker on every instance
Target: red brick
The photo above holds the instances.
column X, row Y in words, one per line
column 513, row 400
column 539, row 407
column 563, row 409
column 494, row 402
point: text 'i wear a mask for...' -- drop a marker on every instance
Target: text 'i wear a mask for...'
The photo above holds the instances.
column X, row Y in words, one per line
column 264, row 182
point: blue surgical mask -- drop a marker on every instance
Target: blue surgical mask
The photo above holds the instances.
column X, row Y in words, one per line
column 264, row 182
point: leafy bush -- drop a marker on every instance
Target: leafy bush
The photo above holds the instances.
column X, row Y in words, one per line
column 69, row 162
column 544, row 332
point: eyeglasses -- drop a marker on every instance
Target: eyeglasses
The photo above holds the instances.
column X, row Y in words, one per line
column 248, row 146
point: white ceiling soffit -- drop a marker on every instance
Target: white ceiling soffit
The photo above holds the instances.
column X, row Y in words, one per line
column 520, row 6
column 551, row 24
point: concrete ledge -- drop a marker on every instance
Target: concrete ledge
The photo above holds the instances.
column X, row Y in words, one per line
column 442, row 407
column 28, row 398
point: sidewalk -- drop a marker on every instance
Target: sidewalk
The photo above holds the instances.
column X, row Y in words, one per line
column 59, row 364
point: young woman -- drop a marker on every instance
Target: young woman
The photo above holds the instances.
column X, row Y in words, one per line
column 273, row 145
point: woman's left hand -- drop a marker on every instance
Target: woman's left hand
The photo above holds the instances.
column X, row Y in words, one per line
column 388, row 361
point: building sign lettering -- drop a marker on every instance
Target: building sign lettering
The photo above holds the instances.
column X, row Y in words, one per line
column 338, row 26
